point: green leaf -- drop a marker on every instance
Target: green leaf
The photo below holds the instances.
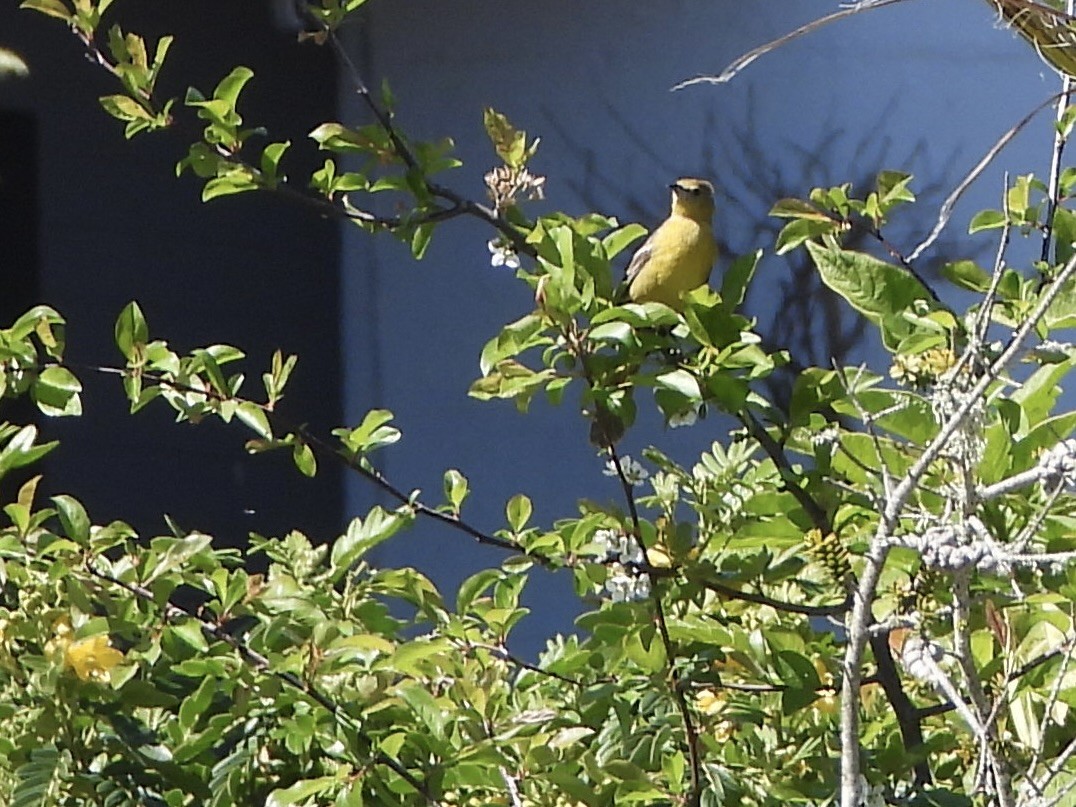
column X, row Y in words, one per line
column 125, row 108
column 131, row 330
column 1064, row 234
column 986, row 220
column 420, row 240
column 738, row 277
column 874, row 288
column 621, row 238
column 791, row 208
column 254, row 416
column 892, row 186
column 680, row 381
column 371, row 434
column 967, row 275
column 514, row 338
column 513, row 380
column 1062, row 310
column 518, row 512
column 432, row 714
column 53, row 8
column 474, row 585
column 170, row 554
column 56, row 392
column 1038, row 394
column 35, row 778
column 509, row 143
column 73, row 518
column 232, row 84
column 646, row 649
column 270, row 161
column 362, row 536
column 20, row 450
column 301, row 792
column 456, row 489
column 618, row 333
column 303, row 457
column 802, row 231
column 239, row 180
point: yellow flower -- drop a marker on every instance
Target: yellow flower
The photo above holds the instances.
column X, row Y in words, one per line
column 709, row 702
column 56, row 647
column 724, row 731
column 92, row 659
column 658, row 556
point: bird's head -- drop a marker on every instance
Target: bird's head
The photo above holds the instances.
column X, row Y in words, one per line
column 693, row 198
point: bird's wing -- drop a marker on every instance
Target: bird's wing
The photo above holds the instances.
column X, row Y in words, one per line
column 639, row 260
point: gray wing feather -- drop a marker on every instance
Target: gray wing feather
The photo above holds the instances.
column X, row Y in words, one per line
column 639, row 260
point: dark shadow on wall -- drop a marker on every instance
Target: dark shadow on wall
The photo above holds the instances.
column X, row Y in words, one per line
column 794, row 309
column 19, row 255
column 116, row 225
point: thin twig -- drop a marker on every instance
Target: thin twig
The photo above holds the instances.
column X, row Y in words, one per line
column 262, row 664
column 1053, row 193
column 404, row 152
column 1047, row 713
column 974, row 685
column 813, row 510
column 908, row 717
column 739, row 64
column 946, row 210
column 879, row 549
column 778, row 605
column 905, row 263
column 503, row 653
column 694, row 756
column 982, row 322
column 315, row 441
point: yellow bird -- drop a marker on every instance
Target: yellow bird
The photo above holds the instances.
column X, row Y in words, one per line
column 679, row 254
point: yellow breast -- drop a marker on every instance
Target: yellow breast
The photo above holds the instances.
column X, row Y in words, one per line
column 682, row 255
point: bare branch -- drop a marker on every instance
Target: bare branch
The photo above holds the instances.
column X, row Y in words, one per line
column 777, row 605
column 946, row 210
column 879, row 549
column 743, row 61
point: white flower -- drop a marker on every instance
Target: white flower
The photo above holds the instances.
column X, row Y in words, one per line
column 626, row 585
column 830, row 435
column 629, row 551
column 634, row 472
column 502, row 255
column 642, row 587
column 619, row 547
column 687, row 418
column 606, row 540
column 870, row 796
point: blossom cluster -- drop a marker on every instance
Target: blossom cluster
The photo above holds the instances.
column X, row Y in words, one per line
column 623, row 556
column 506, row 184
column 502, row 254
column 633, row 471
